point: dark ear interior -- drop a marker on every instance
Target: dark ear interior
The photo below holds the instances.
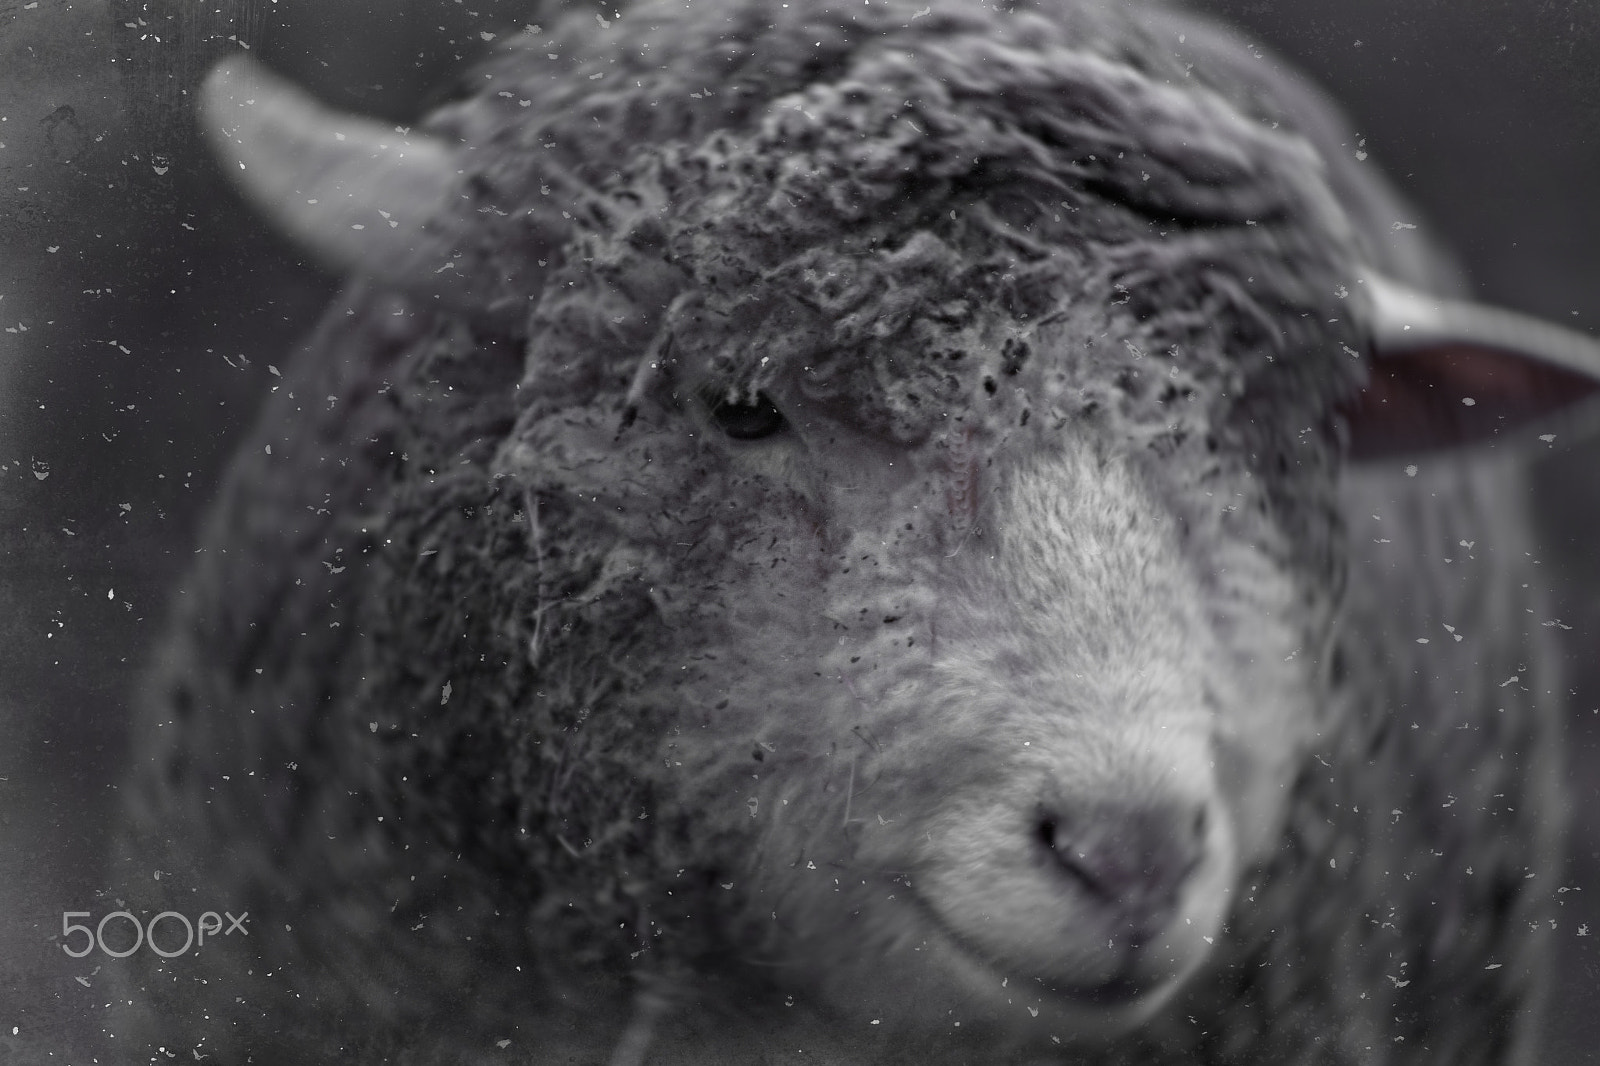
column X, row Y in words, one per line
column 1447, row 374
column 1458, row 394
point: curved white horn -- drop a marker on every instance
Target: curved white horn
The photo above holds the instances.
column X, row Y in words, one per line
column 357, row 193
column 1405, row 319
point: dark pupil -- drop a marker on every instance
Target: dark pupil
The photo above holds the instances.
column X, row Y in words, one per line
column 747, row 421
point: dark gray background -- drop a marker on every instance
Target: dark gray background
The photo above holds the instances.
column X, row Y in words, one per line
column 140, row 308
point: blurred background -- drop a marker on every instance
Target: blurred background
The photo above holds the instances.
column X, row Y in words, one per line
column 141, row 307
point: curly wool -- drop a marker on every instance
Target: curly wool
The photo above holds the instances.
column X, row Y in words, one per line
column 905, row 204
column 790, row 187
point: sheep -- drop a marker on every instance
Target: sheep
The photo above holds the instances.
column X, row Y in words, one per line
column 863, row 533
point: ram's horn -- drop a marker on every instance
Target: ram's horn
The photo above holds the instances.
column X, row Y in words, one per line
column 360, row 195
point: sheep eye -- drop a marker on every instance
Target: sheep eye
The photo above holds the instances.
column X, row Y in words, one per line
column 751, row 420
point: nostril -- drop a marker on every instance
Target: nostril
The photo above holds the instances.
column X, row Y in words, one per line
column 1134, row 859
column 1084, row 851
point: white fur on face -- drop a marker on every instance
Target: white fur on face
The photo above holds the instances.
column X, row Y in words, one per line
column 1083, row 637
column 1066, row 665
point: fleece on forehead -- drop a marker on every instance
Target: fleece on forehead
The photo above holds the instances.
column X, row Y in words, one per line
column 908, row 232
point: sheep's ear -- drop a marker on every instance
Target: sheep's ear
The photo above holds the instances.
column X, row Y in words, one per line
column 360, row 195
column 1450, row 374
